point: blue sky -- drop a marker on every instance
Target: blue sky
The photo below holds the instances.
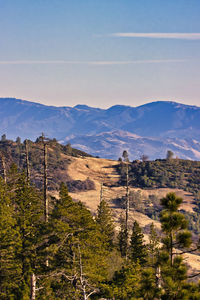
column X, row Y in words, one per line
column 100, row 53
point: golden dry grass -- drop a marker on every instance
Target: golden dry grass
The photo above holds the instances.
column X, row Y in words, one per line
column 103, row 171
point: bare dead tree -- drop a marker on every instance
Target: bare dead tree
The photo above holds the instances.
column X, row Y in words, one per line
column 3, row 167
column 101, row 192
column 126, row 162
column 46, row 204
column 27, row 161
column 83, row 281
column 127, row 196
column 33, row 276
column 33, row 287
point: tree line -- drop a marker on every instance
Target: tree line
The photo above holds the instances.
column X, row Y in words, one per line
column 53, row 248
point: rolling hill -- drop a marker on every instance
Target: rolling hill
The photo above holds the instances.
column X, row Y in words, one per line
column 150, row 129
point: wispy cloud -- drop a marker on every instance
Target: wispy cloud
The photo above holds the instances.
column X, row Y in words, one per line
column 157, row 35
column 92, row 63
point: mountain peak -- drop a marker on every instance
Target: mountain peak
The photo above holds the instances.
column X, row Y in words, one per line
column 120, row 125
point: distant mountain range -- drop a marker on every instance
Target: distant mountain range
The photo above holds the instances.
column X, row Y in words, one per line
column 150, row 129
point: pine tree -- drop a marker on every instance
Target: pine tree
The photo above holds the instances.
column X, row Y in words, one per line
column 148, row 286
column 174, row 226
column 137, row 249
column 123, row 237
column 9, row 242
column 75, row 244
column 105, row 222
column 28, row 215
column 126, row 283
column 153, row 246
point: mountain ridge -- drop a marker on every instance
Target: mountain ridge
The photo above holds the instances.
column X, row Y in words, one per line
column 163, row 123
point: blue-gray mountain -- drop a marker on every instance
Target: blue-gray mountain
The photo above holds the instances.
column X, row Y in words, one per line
column 150, row 129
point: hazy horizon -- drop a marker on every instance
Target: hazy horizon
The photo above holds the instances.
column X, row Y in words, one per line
column 95, row 106
column 100, row 53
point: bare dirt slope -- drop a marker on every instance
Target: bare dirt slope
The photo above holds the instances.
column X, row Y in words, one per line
column 103, row 171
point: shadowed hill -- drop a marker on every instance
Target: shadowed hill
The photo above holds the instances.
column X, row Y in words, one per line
column 149, row 129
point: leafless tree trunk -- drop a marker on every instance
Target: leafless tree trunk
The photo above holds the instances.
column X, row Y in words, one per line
column 27, row 161
column 46, row 204
column 101, row 193
column 33, row 277
column 83, row 280
column 127, row 196
column 4, row 168
column 158, row 277
column 33, row 287
column 127, row 208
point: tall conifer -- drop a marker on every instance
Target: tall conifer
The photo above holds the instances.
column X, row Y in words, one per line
column 137, row 249
column 105, row 222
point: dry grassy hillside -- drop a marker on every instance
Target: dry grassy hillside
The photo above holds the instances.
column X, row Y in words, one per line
column 104, row 171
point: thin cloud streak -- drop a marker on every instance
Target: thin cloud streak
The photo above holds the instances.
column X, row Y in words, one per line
column 158, row 35
column 92, row 63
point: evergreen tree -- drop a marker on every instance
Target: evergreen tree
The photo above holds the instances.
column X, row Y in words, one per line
column 126, row 283
column 28, row 215
column 105, row 222
column 3, row 138
column 137, row 249
column 9, row 241
column 169, row 155
column 75, row 248
column 173, row 278
column 125, row 156
column 123, row 237
column 153, row 246
column 148, row 285
column 174, row 226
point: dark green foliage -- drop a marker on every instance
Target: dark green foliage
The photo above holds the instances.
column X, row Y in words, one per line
column 20, row 234
column 173, row 173
column 105, row 222
column 126, row 283
column 82, row 257
column 174, row 279
column 193, row 219
column 148, row 285
column 74, row 233
column 122, row 237
column 137, row 249
column 10, row 268
column 14, row 152
column 174, row 224
column 153, row 246
column 28, row 215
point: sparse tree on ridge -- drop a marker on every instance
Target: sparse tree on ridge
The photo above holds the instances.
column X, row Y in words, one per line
column 144, row 157
column 3, row 138
column 169, row 155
